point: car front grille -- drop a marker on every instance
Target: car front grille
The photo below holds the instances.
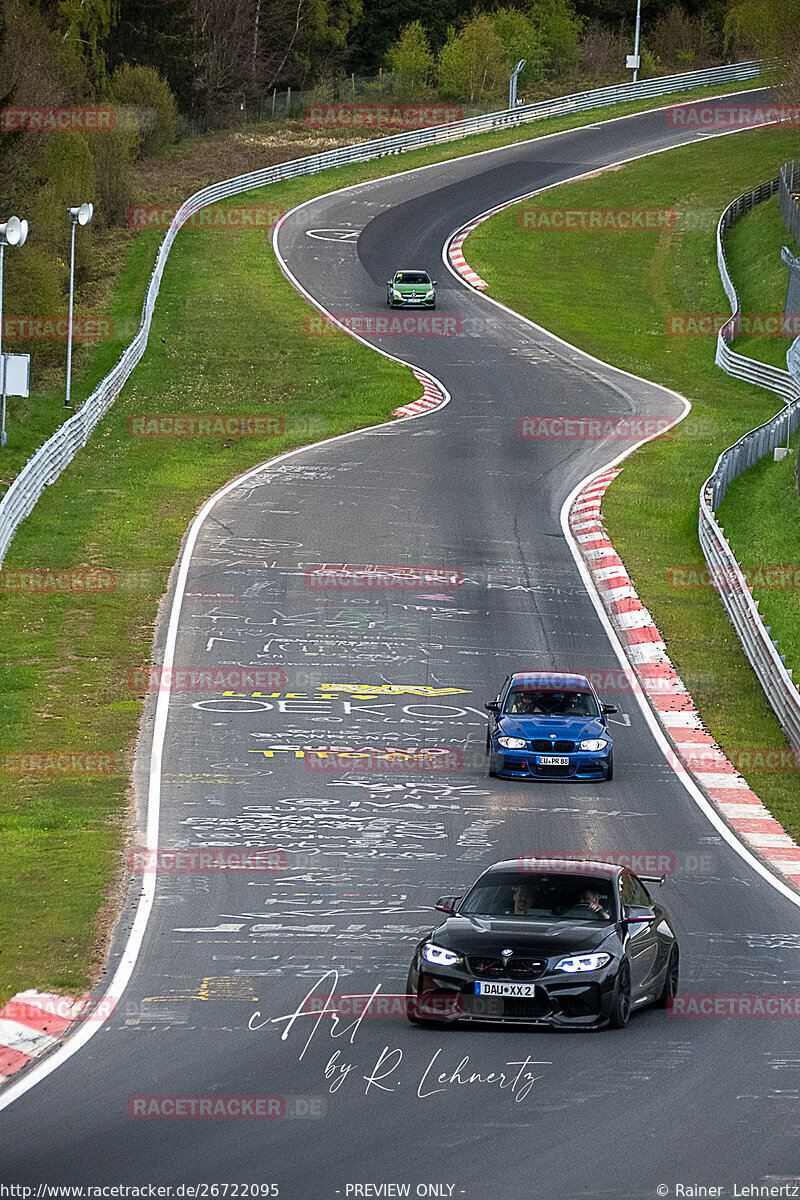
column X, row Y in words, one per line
column 515, row 968
column 527, row 1007
column 543, row 746
column 486, row 968
column 525, row 968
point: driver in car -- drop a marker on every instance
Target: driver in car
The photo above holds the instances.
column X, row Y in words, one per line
column 592, row 899
column 523, row 900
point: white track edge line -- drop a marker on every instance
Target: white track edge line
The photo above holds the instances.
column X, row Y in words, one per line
column 74, row 1041
column 124, row 970
column 652, row 721
column 682, row 774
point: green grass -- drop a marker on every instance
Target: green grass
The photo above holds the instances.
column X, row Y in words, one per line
column 224, row 340
column 612, row 294
column 31, row 421
column 761, row 509
column 761, row 517
column 753, row 252
column 228, row 335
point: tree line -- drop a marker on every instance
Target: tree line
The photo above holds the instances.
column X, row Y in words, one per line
column 163, row 61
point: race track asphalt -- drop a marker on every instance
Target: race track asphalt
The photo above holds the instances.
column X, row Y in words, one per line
column 610, row 1114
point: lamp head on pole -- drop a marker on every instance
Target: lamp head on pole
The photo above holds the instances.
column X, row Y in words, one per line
column 13, row 232
column 81, row 214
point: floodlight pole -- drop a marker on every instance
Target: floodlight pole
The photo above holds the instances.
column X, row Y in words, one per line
column 3, row 434
column 13, row 232
column 79, row 215
column 69, row 322
column 636, row 38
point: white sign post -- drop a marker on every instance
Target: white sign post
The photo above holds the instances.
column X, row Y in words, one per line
column 15, row 380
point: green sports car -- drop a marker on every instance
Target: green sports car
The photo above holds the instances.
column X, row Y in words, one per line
column 411, row 289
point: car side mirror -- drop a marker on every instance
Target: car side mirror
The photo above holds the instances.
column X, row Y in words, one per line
column 389, row 282
column 447, row 904
column 492, row 706
column 609, row 708
column 638, row 915
column 434, row 282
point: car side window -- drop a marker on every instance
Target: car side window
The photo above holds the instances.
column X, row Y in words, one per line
column 631, row 892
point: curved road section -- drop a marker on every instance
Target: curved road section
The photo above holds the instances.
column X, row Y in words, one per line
column 377, row 1107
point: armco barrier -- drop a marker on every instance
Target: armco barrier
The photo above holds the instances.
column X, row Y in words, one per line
column 789, row 193
column 725, row 571
column 793, row 360
column 50, row 459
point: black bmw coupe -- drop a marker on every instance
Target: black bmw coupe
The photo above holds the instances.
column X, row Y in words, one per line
column 560, row 942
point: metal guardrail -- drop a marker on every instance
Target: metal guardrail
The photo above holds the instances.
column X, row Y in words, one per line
column 50, row 459
column 738, row 365
column 789, row 200
column 726, row 573
column 790, row 197
column 793, row 360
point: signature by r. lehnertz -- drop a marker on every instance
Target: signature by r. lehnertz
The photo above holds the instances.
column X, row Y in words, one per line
column 517, row 1077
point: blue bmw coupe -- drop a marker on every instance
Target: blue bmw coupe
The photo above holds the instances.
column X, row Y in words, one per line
column 549, row 725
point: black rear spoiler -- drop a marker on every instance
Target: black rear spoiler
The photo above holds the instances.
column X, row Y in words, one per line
column 659, row 879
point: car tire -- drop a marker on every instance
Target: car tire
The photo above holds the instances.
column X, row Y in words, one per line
column 610, row 774
column 492, row 763
column 621, row 1004
column 671, row 977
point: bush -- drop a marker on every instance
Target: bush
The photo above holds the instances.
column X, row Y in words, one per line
column 113, row 155
column 148, row 105
column 651, row 66
column 560, row 28
column 411, row 61
column 66, row 177
column 603, row 53
column 520, row 40
column 680, row 41
column 32, row 289
column 472, row 63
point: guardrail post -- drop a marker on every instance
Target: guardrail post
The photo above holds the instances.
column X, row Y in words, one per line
column 743, row 610
column 22, row 494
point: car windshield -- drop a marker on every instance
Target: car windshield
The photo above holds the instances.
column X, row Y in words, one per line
column 411, row 277
column 551, row 897
column 526, row 701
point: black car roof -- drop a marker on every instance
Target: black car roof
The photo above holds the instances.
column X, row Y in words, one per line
column 556, row 866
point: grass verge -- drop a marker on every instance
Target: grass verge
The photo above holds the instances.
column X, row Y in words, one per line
column 578, row 284
column 761, row 509
column 228, row 335
column 202, row 160
column 761, row 517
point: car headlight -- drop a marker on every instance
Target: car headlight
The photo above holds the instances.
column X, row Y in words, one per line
column 440, row 956
column 583, row 962
column 429, row 295
column 593, row 744
column 509, row 743
column 397, row 295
